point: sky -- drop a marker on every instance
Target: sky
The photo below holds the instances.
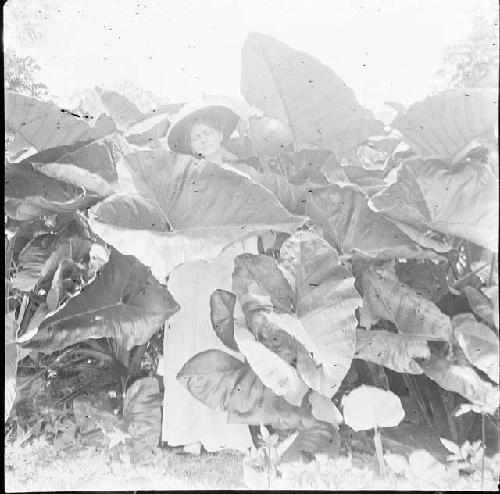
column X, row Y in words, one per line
column 385, row 50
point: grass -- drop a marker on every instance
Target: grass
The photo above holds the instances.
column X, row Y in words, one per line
column 40, row 467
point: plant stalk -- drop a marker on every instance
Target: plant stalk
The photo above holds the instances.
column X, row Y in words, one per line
column 380, row 452
column 484, row 450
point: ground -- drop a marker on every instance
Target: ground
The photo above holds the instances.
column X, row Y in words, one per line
column 39, row 466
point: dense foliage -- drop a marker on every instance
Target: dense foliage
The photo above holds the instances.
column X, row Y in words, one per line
column 383, row 251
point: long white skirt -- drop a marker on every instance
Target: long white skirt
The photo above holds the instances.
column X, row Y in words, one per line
column 185, row 419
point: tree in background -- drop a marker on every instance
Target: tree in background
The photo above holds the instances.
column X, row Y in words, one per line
column 20, row 75
column 474, row 62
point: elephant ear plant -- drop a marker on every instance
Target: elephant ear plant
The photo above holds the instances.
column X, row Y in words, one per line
column 368, row 407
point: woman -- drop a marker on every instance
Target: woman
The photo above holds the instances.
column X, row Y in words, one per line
column 199, row 131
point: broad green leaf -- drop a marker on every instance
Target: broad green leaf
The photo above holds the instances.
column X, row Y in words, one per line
column 30, row 194
column 92, row 411
column 307, row 295
column 10, row 362
column 368, row 407
column 142, row 411
column 44, row 125
column 385, row 297
column 223, row 382
column 305, row 95
column 479, row 343
column 179, row 209
column 324, row 409
column 273, row 371
column 221, row 315
column 398, row 352
column 397, row 463
column 424, row 465
column 444, row 124
column 353, row 228
column 430, row 195
column 125, row 302
column 268, row 136
column 450, row 445
column 459, row 376
column 482, row 305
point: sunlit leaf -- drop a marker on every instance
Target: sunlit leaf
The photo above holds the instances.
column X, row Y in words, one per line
column 179, row 210
column 221, row 314
column 385, row 297
column 368, row 407
column 305, row 95
column 324, row 409
column 125, row 302
column 479, row 343
column 398, row 352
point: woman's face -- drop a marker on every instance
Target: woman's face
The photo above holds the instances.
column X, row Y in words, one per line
column 205, row 140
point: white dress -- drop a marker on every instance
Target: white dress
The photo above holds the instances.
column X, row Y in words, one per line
column 188, row 332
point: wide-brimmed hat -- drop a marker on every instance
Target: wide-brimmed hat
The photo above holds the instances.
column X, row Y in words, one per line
column 178, row 135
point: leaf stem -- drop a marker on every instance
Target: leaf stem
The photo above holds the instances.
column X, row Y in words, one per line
column 380, row 452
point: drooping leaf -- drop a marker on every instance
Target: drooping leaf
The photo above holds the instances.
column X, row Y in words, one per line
column 305, row 95
column 30, row 194
column 10, row 362
column 44, row 125
column 444, row 124
column 385, row 297
column 429, row 195
column 142, row 412
column 223, row 382
column 125, row 302
column 352, row 227
column 324, row 409
column 459, row 376
column 183, row 210
column 221, row 315
column 273, row 371
column 482, row 305
column 367, row 407
column 398, row 352
column 307, row 295
column 479, row 343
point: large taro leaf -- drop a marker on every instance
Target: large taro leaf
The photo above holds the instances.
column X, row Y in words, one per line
column 398, row 352
column 142, row 411
column 479, row 343
column 458, row 375
column 223, row 382
column 305, row 95
column 429, row 195
column 368, row 407
column 179, row 209
column 273, row 371
column 385, row 297
column 444, row 124
column 30, row 194
column 483, row 306
column 308, row 296
column 368, row 182
column 44, row 125
column 39, row 259
column 352, row 227
column 125, row 302
column 289, row 176
column 10, row 362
